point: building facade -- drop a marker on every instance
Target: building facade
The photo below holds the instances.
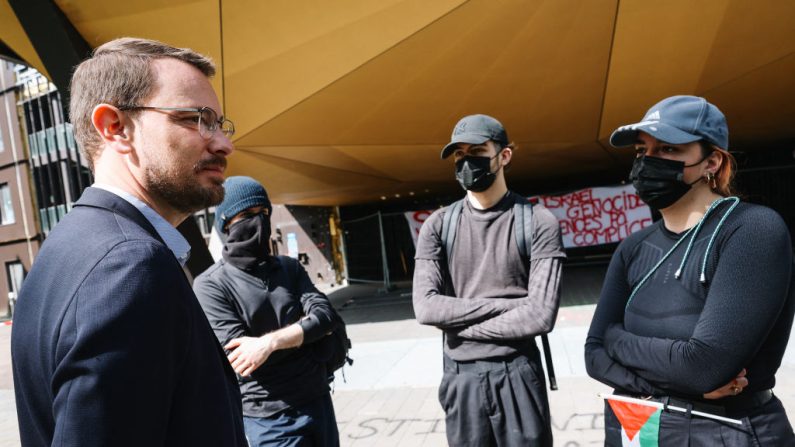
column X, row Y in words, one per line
column 19, row 229
column 41, row 171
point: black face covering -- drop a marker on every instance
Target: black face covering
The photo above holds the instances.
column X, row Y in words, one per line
column 659, row 181
column 248, row 243
column 474, row 173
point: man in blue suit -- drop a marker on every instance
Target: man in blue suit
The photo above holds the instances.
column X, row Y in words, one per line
column 110, row 346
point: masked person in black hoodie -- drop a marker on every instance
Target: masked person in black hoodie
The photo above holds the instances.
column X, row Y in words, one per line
column 696, row 309
column 266, row 313
column 489, row 300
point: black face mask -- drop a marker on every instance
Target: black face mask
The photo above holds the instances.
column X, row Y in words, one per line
column 659, row 181
column 474, row 173
column 248, row 243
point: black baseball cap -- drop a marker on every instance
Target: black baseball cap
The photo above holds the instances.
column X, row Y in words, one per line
column 476, row 129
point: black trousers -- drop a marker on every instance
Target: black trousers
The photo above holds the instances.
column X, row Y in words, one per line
column 764, row 426
column 497, row 402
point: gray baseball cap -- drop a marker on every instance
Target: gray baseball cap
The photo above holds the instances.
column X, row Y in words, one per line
column 476, row 129
column 678, row 120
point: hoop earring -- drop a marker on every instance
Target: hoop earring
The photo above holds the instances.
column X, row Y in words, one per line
column 712, row 181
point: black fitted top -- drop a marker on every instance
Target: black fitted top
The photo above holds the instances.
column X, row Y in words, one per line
column 684, row 337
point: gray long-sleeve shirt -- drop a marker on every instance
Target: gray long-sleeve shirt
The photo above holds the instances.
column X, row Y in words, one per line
column 498, row 301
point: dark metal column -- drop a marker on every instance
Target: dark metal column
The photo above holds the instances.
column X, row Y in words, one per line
column 58, row 44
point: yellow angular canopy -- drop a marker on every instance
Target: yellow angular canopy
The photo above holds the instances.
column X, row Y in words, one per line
column 345, row 102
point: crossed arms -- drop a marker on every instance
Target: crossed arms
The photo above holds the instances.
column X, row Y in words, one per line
column 737, row 317
column 488, row 319
column 247, row 350
column 492, row 318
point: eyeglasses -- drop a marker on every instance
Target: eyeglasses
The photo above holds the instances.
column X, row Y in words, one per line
column 207, row 120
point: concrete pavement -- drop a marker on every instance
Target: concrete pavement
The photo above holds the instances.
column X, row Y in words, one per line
column 389, row 396
column 9, row 434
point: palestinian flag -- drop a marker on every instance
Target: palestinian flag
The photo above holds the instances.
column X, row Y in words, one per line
column 640, row 424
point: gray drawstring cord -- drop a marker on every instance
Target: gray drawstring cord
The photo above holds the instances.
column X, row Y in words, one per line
column 656, row 266
column 736, row 200
column 691, row 233
column 695, row 234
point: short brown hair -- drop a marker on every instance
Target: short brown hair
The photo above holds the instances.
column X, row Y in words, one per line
column 723, row 183
column 512, row 147
column 119, row 73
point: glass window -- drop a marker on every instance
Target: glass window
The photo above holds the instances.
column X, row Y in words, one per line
column 7, row 213
column 34, row 145
column 15, row 273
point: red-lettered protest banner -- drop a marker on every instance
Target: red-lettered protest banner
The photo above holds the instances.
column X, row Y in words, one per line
column 590, row 216
column 416, row 219
column 595, row 216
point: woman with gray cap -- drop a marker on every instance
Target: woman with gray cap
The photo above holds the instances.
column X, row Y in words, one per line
column 696, row 309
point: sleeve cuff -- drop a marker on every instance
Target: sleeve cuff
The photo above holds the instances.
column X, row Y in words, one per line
column 310, row 327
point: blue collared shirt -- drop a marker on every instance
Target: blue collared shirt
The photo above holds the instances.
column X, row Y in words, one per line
column 173, row 238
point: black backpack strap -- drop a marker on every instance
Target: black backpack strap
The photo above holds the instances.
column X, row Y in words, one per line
column 523, row 229
column 450, row 225
column 523, row 226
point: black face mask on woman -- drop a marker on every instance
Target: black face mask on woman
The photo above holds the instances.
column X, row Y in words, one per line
column 474, row 173
column 659, row 181
column 248, row 242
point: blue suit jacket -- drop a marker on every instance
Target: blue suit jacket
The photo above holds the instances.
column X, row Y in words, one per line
column 110, row 345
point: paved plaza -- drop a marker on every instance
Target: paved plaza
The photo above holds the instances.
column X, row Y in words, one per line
column 388, row 397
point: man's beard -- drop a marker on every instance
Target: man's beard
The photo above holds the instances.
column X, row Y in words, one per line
column 184, row 193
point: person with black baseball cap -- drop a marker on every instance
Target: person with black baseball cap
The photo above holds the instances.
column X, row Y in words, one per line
column 490, row 290
column 696, row 309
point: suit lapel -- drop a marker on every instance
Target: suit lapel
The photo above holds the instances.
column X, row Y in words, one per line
column 99, row 198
